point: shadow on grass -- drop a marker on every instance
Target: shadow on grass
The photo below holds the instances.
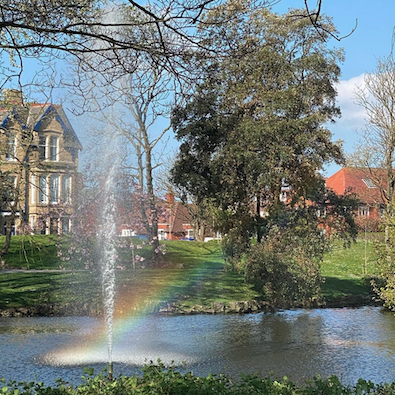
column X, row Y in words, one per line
column 345, row 286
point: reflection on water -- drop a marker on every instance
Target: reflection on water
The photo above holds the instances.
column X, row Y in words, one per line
column 300, row 344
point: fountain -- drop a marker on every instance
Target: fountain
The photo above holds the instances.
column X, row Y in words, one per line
column 107, row 236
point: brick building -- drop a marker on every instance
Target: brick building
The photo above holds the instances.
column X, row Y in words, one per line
column 40, row 158
column 368, row 185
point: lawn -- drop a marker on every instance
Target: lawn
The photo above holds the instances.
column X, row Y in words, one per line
column 192, row 274
column 348, row 270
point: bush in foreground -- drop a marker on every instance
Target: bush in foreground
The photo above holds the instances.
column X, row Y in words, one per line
column 158, row 379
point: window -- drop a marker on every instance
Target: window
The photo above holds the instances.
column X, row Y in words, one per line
column 53, row 148
column 363, row 211
column 42, row 147
column 162, row 235
column 11, row 149
column 369, row 183
column 54, row 193
column 66, row 189
column 54, row 226
column 65, row 225
column 128, row 232
column 10, row 190
column 33, row 189
column 32, row 223
column 43, row 189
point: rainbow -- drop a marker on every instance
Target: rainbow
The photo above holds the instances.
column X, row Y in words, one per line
column 133, row 315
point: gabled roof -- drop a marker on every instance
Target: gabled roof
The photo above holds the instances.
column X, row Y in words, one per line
column 366, row 183
column 34, row 115
column 17, row 113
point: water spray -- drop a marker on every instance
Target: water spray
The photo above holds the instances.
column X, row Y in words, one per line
column 110, row 372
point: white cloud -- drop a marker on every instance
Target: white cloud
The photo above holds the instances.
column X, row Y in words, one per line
column 346, row 99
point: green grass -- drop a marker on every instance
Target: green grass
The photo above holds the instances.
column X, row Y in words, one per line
column 347, row 270
column 200, row 281
column 356, row 260
column 32, row 252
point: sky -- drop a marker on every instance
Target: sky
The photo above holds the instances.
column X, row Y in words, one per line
column 372, row 40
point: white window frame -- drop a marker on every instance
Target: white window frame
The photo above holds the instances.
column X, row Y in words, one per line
column 65, row 221
column 33, row 188
column 54, row 189
column 363, row 211
column 66, row 189
column 43, row 189
column 42, row 146
column 53, row 154
column 10, row 154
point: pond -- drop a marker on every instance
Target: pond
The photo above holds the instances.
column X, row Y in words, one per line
column 299, row 344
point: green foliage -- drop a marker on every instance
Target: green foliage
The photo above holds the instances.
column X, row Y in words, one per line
column 385, row 286
column 285, row 265
column 256, row 121
column 158, row 379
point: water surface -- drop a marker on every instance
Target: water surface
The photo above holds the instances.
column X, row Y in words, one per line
column 299, row 344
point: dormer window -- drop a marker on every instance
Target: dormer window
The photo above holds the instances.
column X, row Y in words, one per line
column 53, row 148
column 42, row 147
column 48, row 147
column 369, row 183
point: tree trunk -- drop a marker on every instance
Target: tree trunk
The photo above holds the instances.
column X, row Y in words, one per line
column 7, row 241
column 151, row 203
column 258, row 217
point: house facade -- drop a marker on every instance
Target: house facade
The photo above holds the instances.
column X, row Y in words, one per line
column 40, row 160
column 368, row 185
column 175, row 221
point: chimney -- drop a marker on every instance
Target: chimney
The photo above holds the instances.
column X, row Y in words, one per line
column 170, row 197
column 13, row 96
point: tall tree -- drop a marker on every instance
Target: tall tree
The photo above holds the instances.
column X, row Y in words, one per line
column 138, row 117
column 141, row 120
column 256, row 124
column 257, row 121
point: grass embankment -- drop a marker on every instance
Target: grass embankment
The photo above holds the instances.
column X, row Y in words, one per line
column 192, row 274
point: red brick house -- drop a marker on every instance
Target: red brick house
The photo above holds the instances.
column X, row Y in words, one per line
column 368, row 185
column 175, row 222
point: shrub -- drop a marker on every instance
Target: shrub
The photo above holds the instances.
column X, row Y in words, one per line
column 160, row 380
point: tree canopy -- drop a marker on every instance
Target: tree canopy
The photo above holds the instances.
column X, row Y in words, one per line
column 258, row 120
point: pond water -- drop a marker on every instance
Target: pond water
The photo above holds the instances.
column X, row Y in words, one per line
column 350, row 343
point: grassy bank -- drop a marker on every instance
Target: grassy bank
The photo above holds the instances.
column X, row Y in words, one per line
column 192, row 274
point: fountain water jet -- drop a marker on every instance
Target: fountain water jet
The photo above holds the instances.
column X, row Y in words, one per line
column 108, row 253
